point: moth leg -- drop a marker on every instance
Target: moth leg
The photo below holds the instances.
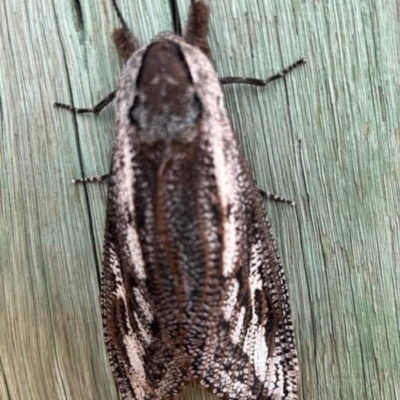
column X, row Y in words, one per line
column 94, row 110
column 197, row 27
column 263, row 82
column 92, row 179
column 275, row 197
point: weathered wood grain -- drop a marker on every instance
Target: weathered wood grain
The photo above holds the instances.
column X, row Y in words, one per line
column 328, row 136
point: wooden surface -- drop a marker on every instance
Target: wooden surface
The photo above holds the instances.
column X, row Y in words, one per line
column 328, row 136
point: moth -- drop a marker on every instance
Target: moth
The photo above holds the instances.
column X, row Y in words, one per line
column 192, row 284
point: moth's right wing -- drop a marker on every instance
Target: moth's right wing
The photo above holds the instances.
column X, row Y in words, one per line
column 250, row 351
column 253, row 353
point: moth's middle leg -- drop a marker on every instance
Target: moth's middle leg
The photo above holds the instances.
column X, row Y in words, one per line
column 275, row 197
column 91, row 179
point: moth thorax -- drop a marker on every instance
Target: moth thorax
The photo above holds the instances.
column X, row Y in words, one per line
column 166, row 106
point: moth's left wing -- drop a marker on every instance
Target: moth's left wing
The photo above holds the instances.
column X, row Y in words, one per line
column 144, row 356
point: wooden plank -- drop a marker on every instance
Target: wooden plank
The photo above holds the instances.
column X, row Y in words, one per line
column 327, row 136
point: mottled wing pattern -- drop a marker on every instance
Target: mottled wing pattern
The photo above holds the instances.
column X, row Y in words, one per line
column 249, row 350
column 255, row 355
column 143, row 355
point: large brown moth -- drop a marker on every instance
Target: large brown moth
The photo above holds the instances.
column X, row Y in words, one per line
column 192, row 285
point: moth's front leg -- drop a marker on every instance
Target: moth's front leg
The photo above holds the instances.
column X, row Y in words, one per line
column 94, row 110
column 263, row 82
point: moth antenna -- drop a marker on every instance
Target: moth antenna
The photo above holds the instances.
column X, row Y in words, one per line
column 124, row 40
column 197, row 27
column 119, row 14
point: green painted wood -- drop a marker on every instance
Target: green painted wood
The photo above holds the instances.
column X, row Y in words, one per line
column 328, row 136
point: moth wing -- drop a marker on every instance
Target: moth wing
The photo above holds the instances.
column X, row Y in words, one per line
column 255, row 355
column 250, row 349
column 144, row 362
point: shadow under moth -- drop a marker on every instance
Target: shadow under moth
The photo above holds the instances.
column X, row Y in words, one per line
column 192, row 284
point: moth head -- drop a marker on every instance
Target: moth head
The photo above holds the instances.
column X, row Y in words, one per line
column 196, row 31
column 164, row 83
column 166, row 105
